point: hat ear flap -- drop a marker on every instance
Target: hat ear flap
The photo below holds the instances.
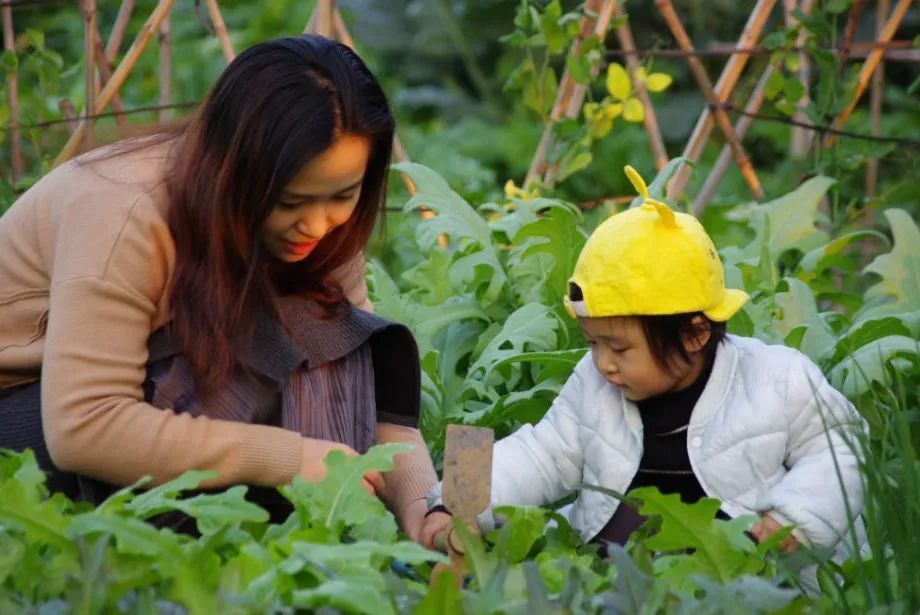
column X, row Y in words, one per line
column 637, row 181
column 667, row 215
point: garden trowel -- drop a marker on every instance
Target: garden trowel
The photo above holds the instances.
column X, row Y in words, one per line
column 466, row 487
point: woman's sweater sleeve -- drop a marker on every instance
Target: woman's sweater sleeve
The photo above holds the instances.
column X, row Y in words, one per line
column 351, row 277
column 101, row 312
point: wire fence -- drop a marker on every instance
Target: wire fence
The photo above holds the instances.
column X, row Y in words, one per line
column 24, row 3
column 853, row 51
column 135, row 110
column 726, row 106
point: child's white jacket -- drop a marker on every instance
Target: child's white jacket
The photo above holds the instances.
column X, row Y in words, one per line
column 756, row 440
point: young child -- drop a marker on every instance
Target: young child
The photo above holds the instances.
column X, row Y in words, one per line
column 666, row 398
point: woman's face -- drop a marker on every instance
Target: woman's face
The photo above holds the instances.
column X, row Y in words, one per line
column 320, row 197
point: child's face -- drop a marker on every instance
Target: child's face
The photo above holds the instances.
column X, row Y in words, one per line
column 622, row 355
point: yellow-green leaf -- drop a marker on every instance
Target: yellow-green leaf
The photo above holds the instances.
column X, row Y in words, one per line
column 613, row 110
column 633, row 111
column 618, row 81
column 590, row 109
column 641, row 75
column 656, row 82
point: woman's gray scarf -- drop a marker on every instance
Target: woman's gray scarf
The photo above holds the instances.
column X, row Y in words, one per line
column 308, row 374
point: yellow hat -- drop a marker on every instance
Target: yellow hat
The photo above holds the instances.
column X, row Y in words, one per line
column 650, row 261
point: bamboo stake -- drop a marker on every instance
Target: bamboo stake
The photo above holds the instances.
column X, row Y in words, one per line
column 602, row 23
column 344, row 36
column 563, row 95
column 849, row 31
column 741, row 127
column 119, row 76
column 580, row 90
column 702, row 80
column 869, row 67
column 88, row 8
column 323, row 18
column 650, row 121
column 800, row 142
column 12, row 91
column 165, row 69
column 69, row 112
column 875, row 106
column 723, row 90
column 104, row 71
column 896, row 49
column 220, row 30
column 118, row 30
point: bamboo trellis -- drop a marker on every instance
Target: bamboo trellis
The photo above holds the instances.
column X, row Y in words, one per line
column 717, row 96
column 326, row 17
column 103, row 82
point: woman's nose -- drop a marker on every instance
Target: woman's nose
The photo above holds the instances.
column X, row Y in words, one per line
column 315, row 223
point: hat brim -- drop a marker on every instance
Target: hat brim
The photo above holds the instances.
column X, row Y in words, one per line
column 731, row 303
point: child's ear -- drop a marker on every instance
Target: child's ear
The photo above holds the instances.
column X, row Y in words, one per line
column 696, row 335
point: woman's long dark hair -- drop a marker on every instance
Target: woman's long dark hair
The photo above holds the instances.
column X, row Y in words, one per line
column 277, row 106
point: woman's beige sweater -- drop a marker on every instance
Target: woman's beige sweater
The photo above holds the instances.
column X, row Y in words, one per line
column 86, row 257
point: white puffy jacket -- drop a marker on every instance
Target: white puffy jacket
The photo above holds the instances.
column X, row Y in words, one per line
column 756, row 439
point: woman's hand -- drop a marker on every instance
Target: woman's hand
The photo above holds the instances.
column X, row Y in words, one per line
column 412, row 519
column 434, row 524
column 313, row 467
column 769, row 526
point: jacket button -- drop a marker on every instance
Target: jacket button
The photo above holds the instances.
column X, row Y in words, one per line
column 696, row 441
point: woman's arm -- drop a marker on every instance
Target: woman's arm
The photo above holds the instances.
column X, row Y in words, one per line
column 538, row 464
column 407, row 484
column 351, row 276
column 108, row 280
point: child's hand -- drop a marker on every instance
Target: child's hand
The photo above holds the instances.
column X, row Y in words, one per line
column 434, row 524
column 769, row 526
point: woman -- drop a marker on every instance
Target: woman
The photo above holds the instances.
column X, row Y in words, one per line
column 191, row 300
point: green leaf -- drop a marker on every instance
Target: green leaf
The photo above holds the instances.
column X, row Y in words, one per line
column 817, row 260
column 443, row 598
column 424, row 321
column 869, row 331
column 132, row 536
column 577, row 158
column 786, row 107
column 530, row 327
column 523, row 527
column 837, row 6
column 633, row 587
column 898, row 290
column 457, row 219
column 339, row 501
column 552, row 30
column 799, row 309
column 579, row 66
column 618, row 83
column 789, row 221
column 855, row 374
column 214, row 512
column 775, row 83
column 164, row 497
column 656, row 189
column 9, row 63
column 691, row 526
column 793, row 89
column 557, row 235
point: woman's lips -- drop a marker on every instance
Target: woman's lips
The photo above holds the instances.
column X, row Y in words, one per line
column 299, row 249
